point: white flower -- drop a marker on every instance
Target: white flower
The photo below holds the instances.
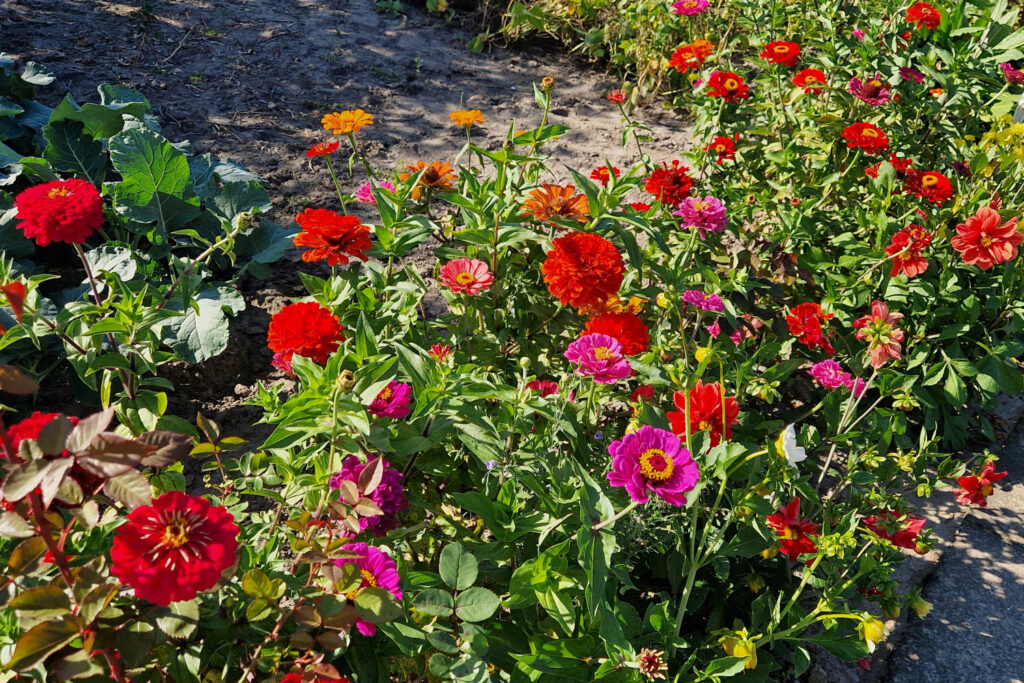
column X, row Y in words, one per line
column 786, row 445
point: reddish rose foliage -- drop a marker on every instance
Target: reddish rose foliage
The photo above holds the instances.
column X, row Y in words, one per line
column 794, row 532
column 60, row 211
column 29, row 428
column 625, row 327
column 669, row 184
column 807, row 322
column 706, row 412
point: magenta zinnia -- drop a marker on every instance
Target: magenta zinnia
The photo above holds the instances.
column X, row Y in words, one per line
column 378, row 571
column 392, row 401
column 702, row 213
column 389, row 495
column 599, row 356
column 652, row 460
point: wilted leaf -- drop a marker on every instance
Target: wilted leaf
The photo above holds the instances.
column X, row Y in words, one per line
column 371, row 475
column 15, row 381
column 41, row 640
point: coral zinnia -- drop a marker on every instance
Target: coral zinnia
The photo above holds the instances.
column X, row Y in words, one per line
column 929, row 185
column 466, row 275
column 583, row 269
column 879, row 328
column 874, row 91
column 599, row 356
column 174, row 548
column 807, row 322
column 561, row 201
column 867, row 136
column 781, row 52
column 976, row 488
column 794, row 532
column 331, row 236
column 392, row 401
column 464, row 118
column 436, row 175
column 347, row 122
column 60, row 211
column 626, row 327
column 691, row 56
column 322, row 149
column 670, row 185
column 652, row 460
column 905, row 249
column 378, row 571
column 389, row 495
column 924, row 15
column 710, row 411
column 983, row 242
column 728, row 85
column 307, row 329
column 811, row 80
column 724, row 147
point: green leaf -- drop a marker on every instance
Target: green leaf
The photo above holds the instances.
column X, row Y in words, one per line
column 435, row 602
column 181, row 619
column 200, row 335
column 48, row 600
column 443, row 642
column 71, row 150
column 596, row 550
column 458, row 568
column 476, row 604
column 42, row 639
column 112, row 258
column 241, row 197
column 37, row 74
column 378, row 605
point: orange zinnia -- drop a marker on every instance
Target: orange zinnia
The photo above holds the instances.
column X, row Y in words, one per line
column 347, row 122
column 439, row 175
column 583, row 269
column 691, row 56
column 556, row 200
column 464, row 118
column 331, row 236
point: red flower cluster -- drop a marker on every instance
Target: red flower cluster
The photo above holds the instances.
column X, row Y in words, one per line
column 728, row 85
column 670, row 185
column 616, row 96
column 905, row 249
column 929, row 185
column 924, row 15
column 984, row 240
column 604, row 174
column 710, row 411
column 643, row 392
column 724, row 147
column 307, row 329
column 173, row 549
column 331, row 236
column 807, row 323
column 61, row 211
column 976, row 488
column 691, row 56
column 901, row 530
column 811, row 80
column 29, row 428
column 794, row 532
column 866, row 136
column 626, row 327
column 781, row 52
column 583, row 269
column 899, row 164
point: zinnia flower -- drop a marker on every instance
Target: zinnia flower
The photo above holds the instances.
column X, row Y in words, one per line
column 976, row 488
column 30, row 428
column 811, row 80
column 723, row 146
column 900, row 530
column 703, row 214
column 616, row 96
column 550, row 201
column 389, row 495
column 899, row 164
column 440, row 352
column 702, row 301
column 599, row 356
column 983, row 240
column 905, row 249
column 436, row 175
column 781, row 52
column 331, row 236
column 874, row 91
column 322, row 149
column 625, row 327
column 829, row 374
column 924, row 15
column 59, row 211
column 583, row 269
column 794, row 532
column 466, row 118
column 307, row 329
column 866, row 136
column 392, row 401
column 807, row 322
column 727, row 85
column 378, row 571
column 364, row 193
column 879, row 328
column 1013, row 76
column 603, row 174
column 651, row 663
column 691, row 56
column 929, row 185
column 347, row 122
column 644, row 391
column 544, row 387
column 787, row 447
column 652, row 460
column 669, row 184
column 710, row 411
column 174, row 548
column 689, row 8
column 465, row 275
column 909, row 73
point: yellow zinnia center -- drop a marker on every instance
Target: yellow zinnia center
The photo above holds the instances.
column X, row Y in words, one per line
column 985, row 241
column 369, row 581
column 929, row 180
column 703, row 425
column 176, row 532
column 385, row 395
column 602, row 353
column 656, row 465
column 465, row 278
column 731, row 84
column 870, row 133
column 58, row 192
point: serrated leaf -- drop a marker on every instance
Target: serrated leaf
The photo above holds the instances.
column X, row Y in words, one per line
column 458, row 568
column 181, row 619
column 256, row 583
column 131, row 489
column 476, row 604
column 95, row 601
column 41, row 640
column 71, row 150
column 50, row 600
column 54, row 435
column 371, row 475
column 87, row 429
column 14, row 525
column 26, row 554
column 435, row 602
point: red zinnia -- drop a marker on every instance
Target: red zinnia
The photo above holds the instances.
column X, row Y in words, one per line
column 29, row 428
column 670, row 185
column 604, row 174
column 811, row 80
column 976, row 488
column 924, row 15
column 794, row 532
column 899, row 164
column 727, row 85
column 905, row 249
column 807, row 323
column 900, row 530
column 61, row 211
column 781, row 52
column 706, row 412
column 930, row 185
column 616, row 96
column 583, row 269
column 307, row 329
column 724, row 147
column 331, row 236
column 867, row 136
column 322, row 149
column 174, row 548
column 983, row 242
column 545, row 387
column 691, row 56
column 626, row 327
column 644, row 391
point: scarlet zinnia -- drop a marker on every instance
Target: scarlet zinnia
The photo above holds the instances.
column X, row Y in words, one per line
column 976, row 488
column 811, row 80
column 691, row 56
column 982, row 241
column 866, row 136
column 60, row 211
column 322, row 149
column 669, row 184
column 924, row 15
column 616, row 96
column 899, row 164
column 808, row 323
column 710, row 411
column 603, row 174
column 29, row 428
column 727, row 85
column 724, row 147
column 905, row 249
column 929, row 185
column 436, row 175
column 781, row 52
column 794, row 532
column 626, row 327
column 562, row 201
column 331, row 236
column 583, row 269
column 307, row 329
column 347, row 122
column 174, row 548
column 470, row 276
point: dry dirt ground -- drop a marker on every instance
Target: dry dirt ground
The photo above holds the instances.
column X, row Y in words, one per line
column 250, row 80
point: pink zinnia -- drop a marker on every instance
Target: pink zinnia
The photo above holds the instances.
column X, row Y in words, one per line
column 879, row 329
column 874, row 91
column 378, row 571
column 702, row 301
column 714, row 329
column 545, row 387
column 858, row 34
column 466, row 275
column 829, row 374
column 389, row 494
column 909, row 73
column 599, row 356
column 690, row 7
column 702, row 213
column 364, row 193
column 652, row 460
column 1013, row 76
column 392, row 401
column 856, row 386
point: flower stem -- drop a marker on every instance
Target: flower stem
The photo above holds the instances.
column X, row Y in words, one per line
column 619, row 515
column 337, row 185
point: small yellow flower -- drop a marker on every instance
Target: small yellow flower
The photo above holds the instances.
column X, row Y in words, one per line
column 920, row 606
column 873, row 632
column 738, row 644
column 464, row 118
column 662, row 301
column 701, row 353
column 347, row 122
column 769, row 553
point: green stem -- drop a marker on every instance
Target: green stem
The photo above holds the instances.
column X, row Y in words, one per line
column 337, row 185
